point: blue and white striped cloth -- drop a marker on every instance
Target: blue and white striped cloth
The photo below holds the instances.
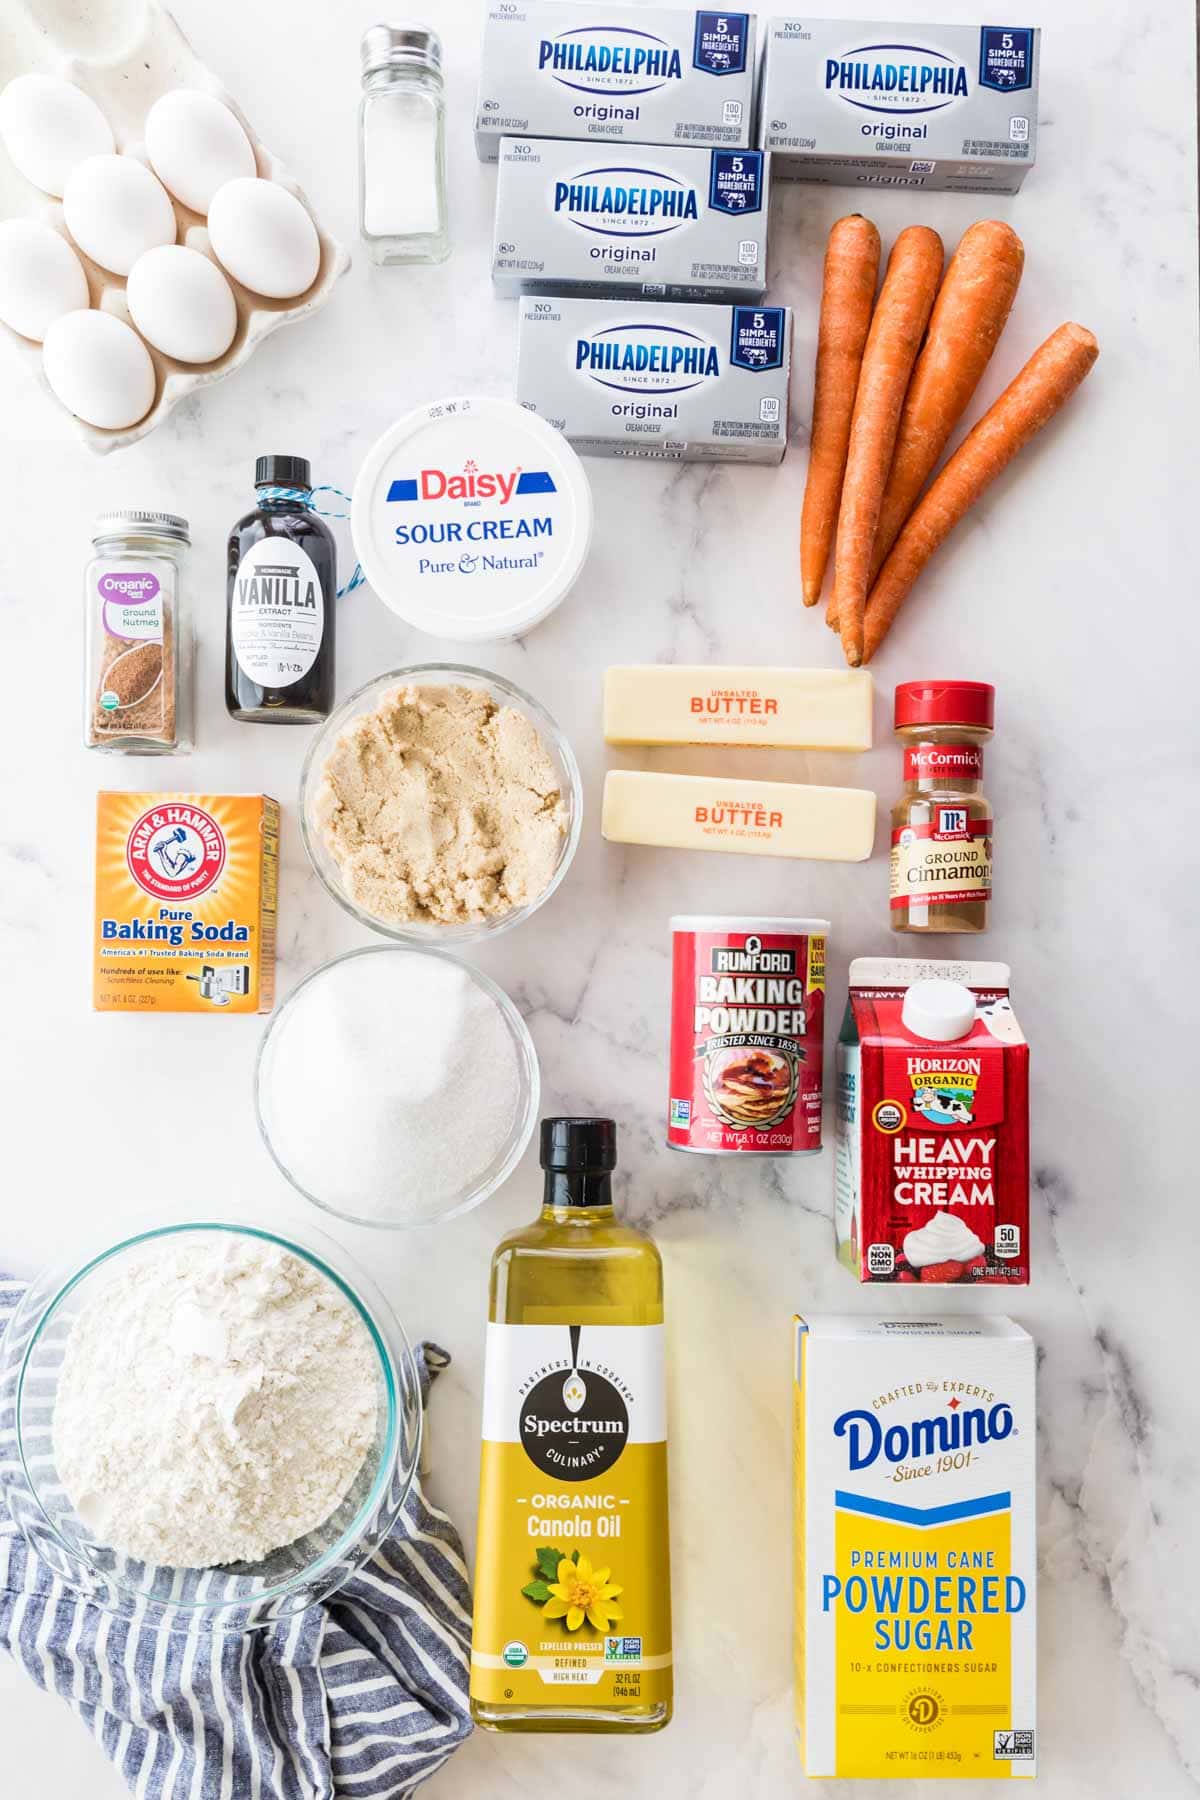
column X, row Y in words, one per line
column 359, row 1699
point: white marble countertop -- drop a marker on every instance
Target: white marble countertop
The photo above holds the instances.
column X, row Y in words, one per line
column 1069, row 589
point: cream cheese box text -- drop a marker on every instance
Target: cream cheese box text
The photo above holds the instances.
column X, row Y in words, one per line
column 687, row 383
column 629, row 74
column 577, row 218
column 859, row 104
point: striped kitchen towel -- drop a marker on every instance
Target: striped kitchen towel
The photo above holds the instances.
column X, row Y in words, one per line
column 363, row 1696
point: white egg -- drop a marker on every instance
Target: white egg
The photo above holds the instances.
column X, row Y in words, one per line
column 264, row 237
column 99, row 368
column 49, row 126
column 41, row 278
column 182, row 304
column 195, row 146
column 116, row 210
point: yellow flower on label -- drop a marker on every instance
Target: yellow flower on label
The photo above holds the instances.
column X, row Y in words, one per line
column 580, row 1593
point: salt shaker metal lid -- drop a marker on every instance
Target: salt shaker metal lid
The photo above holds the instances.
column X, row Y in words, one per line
column 399, row 46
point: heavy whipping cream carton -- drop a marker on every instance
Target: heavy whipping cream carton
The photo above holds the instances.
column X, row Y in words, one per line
column 684, row 224
column 915, row 1547
column 932, row 1167
column 861, row 104
column 631, row 74
column 645, row 378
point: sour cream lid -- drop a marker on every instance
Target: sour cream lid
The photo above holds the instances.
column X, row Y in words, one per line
column 472, row 518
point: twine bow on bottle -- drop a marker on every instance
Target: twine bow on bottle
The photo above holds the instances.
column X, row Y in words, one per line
column 305, row 497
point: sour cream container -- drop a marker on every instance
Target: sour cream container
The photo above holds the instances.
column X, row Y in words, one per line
column 472, row 519
column 747, row 1011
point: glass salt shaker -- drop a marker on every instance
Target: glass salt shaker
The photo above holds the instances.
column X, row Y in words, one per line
column 402, row 146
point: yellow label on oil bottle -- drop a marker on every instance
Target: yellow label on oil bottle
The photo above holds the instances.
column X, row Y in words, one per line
column 573, row 1600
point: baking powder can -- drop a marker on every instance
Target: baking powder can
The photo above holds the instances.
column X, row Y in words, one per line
column 747, row 1019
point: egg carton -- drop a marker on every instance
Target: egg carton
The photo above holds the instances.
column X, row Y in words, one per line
column 125, row 54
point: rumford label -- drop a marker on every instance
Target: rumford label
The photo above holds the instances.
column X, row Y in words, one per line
column 642, row 75
column 939, row 106
column 747, row 1011
column 915, row 1547
column 644, row 379
column 572, row 1587
column 932, row 1171
column 185, row 902
column 680, row 223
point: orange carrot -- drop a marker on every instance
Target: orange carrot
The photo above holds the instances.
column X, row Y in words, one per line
column 969, row 314
column 913, row 272
column 848, row 294
column 1029, row 401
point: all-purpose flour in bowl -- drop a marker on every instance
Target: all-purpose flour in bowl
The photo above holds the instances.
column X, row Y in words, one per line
column 397, row 1086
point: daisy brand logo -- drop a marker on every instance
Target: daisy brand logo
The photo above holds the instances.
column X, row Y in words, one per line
column 574, row 1419
column 175, row 852
column 472, row 483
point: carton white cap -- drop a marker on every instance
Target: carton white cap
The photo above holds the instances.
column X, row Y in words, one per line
column 938, row 1010
column 472, row 518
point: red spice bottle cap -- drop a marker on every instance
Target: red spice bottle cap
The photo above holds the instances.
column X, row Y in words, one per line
column 970, row 703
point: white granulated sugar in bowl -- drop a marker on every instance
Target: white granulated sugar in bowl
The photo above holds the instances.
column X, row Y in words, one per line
column 390, row 1085
column 217, row 1399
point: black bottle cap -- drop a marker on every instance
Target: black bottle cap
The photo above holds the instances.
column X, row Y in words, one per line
column 579, row 1146
column 283, row 471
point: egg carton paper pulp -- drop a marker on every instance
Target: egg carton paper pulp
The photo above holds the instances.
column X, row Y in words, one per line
column 125, row 54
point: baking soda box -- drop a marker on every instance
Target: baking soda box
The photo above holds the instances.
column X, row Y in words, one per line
column 932, row 1161
column 916, row 1556
column 186, row 888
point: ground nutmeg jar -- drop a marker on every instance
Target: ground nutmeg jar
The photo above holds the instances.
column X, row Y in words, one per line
column 942, row 825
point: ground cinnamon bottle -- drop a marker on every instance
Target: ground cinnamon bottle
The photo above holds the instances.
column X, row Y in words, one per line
column 942, row 825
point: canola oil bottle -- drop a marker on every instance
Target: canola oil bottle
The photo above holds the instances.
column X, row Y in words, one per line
column 572, row 1577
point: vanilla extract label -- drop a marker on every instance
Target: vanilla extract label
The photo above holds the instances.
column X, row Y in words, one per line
column 277, row 613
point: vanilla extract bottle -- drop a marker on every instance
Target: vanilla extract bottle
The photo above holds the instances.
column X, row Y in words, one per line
column 280, row 608
column 572, row 1627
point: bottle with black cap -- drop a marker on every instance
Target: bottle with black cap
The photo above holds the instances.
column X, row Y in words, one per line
column 280, row 618
column 572, row 1624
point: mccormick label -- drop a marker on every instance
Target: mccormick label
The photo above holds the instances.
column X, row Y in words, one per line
column 932, row 1171
column 887, row 105
column 679, row 223
column 688, row 383
column 915, row 1551
column 626, row 74
column 747, row 1010
column 186, row 890
column 572, row 1595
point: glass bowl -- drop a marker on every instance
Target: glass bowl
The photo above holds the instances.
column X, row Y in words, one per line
column 507, row 1156
column 239, row 1596
column 366, row 700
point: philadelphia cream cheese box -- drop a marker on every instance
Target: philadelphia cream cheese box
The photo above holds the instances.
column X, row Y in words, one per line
column 644, row 378
column 861, row 104
column 915, row 1547
column 580, row 218
column 629, row 74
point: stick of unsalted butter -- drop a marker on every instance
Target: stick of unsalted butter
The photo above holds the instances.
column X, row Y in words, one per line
column 754, row 818
column 781, row 709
